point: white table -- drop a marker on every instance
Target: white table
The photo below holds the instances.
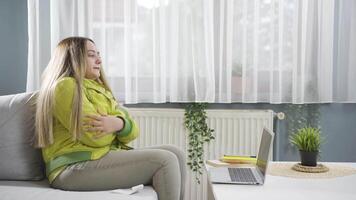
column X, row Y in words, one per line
column 285, row 188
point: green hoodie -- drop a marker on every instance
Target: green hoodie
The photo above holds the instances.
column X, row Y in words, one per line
column 65, row 151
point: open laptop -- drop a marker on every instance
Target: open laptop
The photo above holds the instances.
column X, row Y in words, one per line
column 254, row 175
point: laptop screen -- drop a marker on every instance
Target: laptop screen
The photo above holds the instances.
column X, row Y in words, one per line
column 263, row 152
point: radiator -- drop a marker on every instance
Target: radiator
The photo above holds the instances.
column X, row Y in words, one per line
column 236, row 132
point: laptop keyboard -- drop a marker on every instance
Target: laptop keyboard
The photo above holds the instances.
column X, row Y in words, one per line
column 242, row 175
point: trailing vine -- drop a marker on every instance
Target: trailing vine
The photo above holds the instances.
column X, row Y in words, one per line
column 198, row 134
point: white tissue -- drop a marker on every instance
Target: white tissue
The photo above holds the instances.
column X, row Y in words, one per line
column 129, row 191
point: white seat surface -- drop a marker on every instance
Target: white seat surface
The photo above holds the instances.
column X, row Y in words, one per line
column 40, row 190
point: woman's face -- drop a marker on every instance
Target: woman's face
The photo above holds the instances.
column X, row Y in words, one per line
column 93, row 60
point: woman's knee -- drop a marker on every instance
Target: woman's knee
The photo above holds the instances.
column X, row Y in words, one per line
column 174, row 149
column 162, row 156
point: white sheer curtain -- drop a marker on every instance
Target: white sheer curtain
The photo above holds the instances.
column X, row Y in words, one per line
column 345, row 53
column 48, row 23
column 276, row 51
column 279, row 51
column 157, row 51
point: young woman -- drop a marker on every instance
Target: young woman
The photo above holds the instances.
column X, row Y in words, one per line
column 83, row 132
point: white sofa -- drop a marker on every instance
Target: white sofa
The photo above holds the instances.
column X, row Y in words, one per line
column 21, row 165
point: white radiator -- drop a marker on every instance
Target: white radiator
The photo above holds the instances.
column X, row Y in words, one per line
column 236, row 132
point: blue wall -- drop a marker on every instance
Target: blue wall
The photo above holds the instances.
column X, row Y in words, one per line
column 13, row 49
column 338, row 121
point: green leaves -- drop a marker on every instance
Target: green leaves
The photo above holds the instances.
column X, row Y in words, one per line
column 307, row 139
column 199, row 133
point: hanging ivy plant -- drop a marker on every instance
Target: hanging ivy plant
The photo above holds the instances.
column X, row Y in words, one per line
column 198, row 134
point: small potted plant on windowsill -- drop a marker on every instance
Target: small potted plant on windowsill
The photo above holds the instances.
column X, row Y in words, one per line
column 308, row 141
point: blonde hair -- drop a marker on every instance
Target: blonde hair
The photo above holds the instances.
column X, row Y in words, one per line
column 68, row 60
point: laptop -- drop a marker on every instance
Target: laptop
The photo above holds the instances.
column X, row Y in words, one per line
column 251, row 175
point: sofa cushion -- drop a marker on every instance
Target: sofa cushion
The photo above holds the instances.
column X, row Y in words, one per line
column 19, row 159
column 40, row 190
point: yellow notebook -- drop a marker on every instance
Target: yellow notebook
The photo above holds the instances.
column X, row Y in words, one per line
column 239, row 159
column 219, row 163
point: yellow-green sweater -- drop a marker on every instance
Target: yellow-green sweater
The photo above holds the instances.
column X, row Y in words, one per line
column 64, row 151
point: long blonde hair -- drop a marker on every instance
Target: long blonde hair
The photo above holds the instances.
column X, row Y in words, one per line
column 68, row 60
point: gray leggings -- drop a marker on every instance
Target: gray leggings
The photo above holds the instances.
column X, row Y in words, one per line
column 163, row 167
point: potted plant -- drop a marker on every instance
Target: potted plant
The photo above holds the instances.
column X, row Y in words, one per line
column 308, row 141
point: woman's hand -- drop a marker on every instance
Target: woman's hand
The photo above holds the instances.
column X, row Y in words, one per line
column 103, row 124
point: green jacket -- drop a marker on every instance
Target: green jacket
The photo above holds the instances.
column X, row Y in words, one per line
column 65, row 151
